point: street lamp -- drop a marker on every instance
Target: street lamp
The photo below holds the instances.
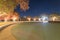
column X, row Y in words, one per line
column 44, row 19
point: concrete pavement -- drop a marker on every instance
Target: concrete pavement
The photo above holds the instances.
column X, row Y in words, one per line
column 6, row 33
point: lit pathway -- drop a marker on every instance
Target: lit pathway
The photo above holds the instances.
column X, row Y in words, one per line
column 5, row 34
column 4, row 23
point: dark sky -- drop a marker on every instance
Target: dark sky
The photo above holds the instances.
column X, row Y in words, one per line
column 38, row 7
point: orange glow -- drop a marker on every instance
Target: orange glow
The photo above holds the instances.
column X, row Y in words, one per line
column 24, row 4
column 54, row 18
column 14, row 18
column 5, row 19
column 29, row 19
column 9, row 16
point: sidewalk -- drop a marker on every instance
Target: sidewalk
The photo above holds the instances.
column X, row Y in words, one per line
column 6, row 33
column 2, row 24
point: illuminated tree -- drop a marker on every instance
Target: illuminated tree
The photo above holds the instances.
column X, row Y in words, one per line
column 24, row 4
column 9, row 5
column 7, row 8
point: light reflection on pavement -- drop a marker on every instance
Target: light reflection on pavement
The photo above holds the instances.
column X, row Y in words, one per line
column 5, row 34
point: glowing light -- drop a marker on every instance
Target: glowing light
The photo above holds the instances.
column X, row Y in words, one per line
column 44, row 19
column 54, row 18
column 14, row 19
column 34, row 19
column 5, row 19
column 29, row 19
column 39, row 19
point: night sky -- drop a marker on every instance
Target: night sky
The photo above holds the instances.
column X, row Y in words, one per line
column 38, row 7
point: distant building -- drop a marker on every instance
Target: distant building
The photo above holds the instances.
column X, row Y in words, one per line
column 54, row 17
